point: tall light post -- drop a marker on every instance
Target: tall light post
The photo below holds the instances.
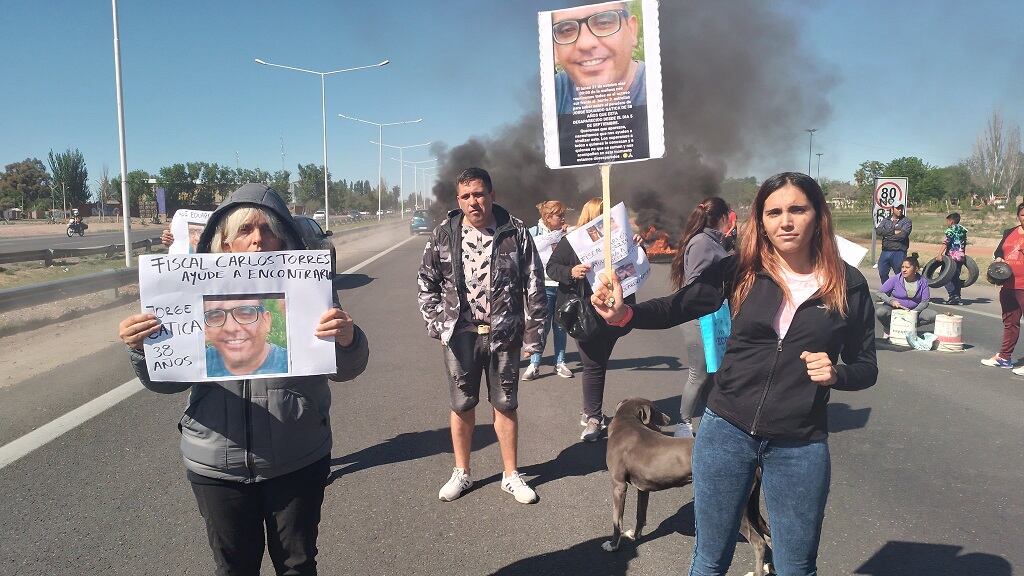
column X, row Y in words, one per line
column 125, row 208
column 426, row 171
column 401, row 160
column 818, row 154
column 380, row 138
column 416, row 175
column 810, row 142
column 323, row 115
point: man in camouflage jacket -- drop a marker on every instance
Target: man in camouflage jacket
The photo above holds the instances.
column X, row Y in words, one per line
column 481, row 293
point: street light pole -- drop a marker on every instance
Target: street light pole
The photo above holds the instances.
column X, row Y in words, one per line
column 401, row 161
column 125, row 208
column 323, row 116
column 811, row 132
column 415, row 170
column 380, row 137
column 819, row 165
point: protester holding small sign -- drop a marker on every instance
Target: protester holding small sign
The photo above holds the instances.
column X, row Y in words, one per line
column 908, row 291
column 551, row 226
column 257, row 451
column 797, row 308
column 703, row 241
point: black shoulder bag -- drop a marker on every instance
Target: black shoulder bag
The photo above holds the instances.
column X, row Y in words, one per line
column 578, row 317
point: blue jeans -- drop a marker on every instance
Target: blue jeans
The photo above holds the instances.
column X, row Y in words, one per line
column 890, row 260
column 953, row 286
column 795, row 480
column 559, row 337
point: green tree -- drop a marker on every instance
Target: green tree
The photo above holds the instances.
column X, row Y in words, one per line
column 866, row 175
column 279, row 182
column 309, row 190
column 139, row 188
column 26, row 184
column 910, row 167
column 70, row 177
column 180, row 182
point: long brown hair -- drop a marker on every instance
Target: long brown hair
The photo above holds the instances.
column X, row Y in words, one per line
column 757, row 254
column 707, row 214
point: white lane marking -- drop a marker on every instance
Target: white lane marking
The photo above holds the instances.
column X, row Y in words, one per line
column 959, row 309
column 52, row 430
column 16, row 449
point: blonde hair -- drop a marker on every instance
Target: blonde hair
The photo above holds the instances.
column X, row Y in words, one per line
column 549, row 207
column 231, row 222
column 590, row 210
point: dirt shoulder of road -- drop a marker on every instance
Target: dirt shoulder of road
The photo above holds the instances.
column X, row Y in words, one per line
column 26, row 229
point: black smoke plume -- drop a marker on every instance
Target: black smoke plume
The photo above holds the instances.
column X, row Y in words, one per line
column 738, row 89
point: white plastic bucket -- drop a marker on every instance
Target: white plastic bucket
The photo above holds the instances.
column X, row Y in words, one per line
column 949, row 332
column 901, row 323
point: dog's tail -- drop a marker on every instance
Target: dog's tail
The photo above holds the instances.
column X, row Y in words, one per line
column 754, row 506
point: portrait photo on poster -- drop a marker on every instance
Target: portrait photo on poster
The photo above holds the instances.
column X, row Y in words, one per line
column 246, row 334
column 186, row 226
column 600, row 83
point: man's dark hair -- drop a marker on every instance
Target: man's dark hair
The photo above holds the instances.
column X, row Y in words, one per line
column 474, row 173
column 954, row 217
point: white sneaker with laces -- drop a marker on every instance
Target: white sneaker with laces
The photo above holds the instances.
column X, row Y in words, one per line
column 517, row 487
column 532, row 372
column 455, row 486
column 562, row 370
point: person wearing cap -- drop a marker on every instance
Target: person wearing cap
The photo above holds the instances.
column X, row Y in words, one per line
column 895, row 234
column 481, row 293
column 1011, row 294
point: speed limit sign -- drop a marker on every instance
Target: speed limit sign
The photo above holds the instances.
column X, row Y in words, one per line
column 889, row 192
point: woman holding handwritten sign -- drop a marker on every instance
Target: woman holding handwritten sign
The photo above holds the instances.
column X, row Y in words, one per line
column 257, row 451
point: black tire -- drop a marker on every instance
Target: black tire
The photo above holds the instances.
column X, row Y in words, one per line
column 81, row 231
column 70, row 233
column 972, row 271
column 939, row 272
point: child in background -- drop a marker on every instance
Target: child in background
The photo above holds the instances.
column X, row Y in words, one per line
column 955, row 246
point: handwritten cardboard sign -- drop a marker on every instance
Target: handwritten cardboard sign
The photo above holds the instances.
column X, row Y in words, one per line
column 230, row 316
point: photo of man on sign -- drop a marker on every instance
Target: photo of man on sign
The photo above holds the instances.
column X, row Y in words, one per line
column 245, row 335
column 594, row 46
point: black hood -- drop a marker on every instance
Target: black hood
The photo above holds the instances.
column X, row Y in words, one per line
column 258, row 195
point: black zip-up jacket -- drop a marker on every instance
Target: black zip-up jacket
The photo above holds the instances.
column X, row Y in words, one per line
column 762, row 386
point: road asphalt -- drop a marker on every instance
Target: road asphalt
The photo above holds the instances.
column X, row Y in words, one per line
column 925, row 478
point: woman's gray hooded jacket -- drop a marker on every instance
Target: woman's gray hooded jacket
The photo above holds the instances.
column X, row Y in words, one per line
column 254, row 430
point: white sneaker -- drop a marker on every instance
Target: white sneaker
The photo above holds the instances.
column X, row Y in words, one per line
column 455, row 486
column 562, row 370
column 532, row 372
column 516, row 486
column 1019, row 371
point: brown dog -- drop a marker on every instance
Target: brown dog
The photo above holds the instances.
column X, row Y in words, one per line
column 639, row 454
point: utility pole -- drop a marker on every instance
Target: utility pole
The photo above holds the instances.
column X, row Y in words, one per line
column 810, row 142
column 282, row 153
column 819, row 165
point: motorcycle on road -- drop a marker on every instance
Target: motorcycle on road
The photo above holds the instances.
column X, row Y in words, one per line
column 76, row 227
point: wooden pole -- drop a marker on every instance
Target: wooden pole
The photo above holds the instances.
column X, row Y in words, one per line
column 606, row 222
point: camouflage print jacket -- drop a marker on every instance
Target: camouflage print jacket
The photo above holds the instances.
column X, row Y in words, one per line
column 518, row 302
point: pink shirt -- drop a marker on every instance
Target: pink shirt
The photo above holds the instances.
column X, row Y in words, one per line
column 801, row 287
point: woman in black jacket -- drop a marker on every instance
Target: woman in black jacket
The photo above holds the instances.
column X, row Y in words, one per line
column 797, row 308
column 564, row 266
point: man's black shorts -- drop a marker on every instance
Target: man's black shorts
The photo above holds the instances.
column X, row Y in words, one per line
column 467, row 358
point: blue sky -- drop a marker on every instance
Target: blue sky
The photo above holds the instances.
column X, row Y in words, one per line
column 911, row 78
